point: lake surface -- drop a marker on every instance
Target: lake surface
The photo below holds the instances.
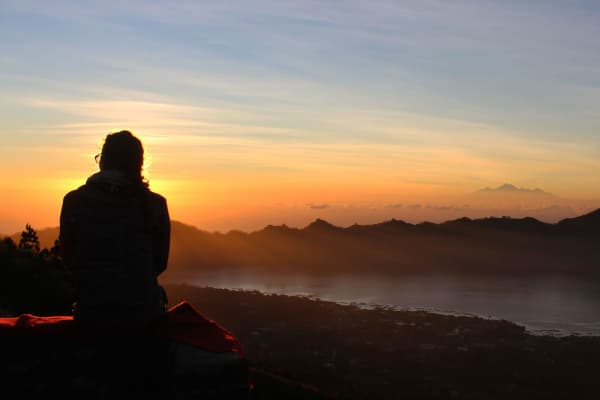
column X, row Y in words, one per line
column 544, row 305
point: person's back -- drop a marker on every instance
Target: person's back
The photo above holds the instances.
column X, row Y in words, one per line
column 114, row 236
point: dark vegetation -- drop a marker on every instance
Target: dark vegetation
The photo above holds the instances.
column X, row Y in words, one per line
column 33, row 280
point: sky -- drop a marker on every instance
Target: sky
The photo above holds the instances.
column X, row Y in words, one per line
column 280, row 112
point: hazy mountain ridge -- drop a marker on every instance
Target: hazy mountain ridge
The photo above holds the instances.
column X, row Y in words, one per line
column 509, row 187
column 509, row 199
column 490, row 245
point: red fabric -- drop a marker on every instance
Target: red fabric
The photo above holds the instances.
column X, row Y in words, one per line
column 182, row 323
column 32, row 325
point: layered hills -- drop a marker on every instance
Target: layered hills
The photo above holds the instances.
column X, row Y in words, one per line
column 485, row 245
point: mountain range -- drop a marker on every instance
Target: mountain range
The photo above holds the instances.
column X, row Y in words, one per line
column 484, row 245
column 510, row 188
column 487, row 245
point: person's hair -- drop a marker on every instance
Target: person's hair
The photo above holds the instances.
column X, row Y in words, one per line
column 124, row 152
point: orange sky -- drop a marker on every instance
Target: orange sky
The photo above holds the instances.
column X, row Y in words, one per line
column 286, row 112
column 232, row 184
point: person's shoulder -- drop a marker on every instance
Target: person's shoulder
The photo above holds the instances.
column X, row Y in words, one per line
column 74, row 199
column 157, row 198
column 74, row 193
column 158, row 203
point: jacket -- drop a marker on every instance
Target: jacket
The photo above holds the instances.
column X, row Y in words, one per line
column 114, row 239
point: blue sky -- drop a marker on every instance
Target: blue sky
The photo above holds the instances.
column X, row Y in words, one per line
column 527, row 66
column 510, row 87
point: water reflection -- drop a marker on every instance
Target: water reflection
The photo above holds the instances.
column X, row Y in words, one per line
column 545, row 305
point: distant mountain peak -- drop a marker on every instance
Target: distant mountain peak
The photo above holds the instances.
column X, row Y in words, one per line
column 276, row 228
column 395, row 222
column 510, row 188
column 507, row 187
column 320, row 224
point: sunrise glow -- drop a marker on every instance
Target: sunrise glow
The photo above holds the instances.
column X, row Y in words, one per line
column 281, row 113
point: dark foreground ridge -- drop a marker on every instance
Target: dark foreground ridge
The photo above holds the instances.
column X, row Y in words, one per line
column 303, row 348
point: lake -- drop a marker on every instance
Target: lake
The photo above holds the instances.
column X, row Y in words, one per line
column 544, row 305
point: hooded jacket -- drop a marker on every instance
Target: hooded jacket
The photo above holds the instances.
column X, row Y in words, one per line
column 114, row 239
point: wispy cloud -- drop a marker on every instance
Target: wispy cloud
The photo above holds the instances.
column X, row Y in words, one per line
column 318, row 206
column 395, row 205
column 409, row 147
column 369, row 100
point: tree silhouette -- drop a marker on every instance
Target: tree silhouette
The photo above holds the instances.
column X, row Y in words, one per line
column 33, row 280
column 29, row 240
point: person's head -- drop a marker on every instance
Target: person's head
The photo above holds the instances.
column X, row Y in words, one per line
column 122, row 151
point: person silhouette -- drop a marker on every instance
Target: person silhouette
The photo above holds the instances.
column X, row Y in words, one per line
column 114, row 239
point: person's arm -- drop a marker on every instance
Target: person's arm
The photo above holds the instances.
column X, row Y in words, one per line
column 162, row 238
column 67, row 237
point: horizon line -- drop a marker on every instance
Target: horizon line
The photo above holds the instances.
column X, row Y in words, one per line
column 321, row 221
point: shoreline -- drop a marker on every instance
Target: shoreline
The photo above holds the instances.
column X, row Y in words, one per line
column 343, row 351
column 556, row 305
